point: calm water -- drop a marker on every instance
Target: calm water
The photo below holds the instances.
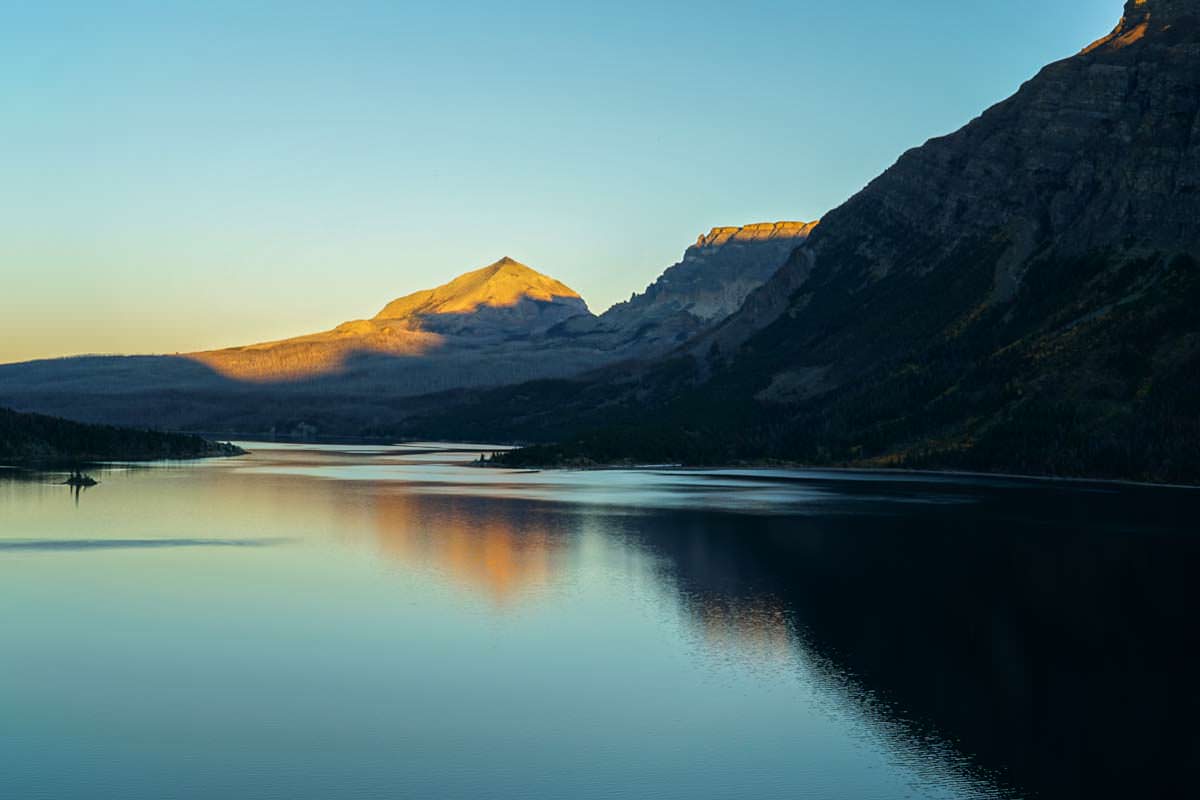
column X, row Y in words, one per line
column 389, row 623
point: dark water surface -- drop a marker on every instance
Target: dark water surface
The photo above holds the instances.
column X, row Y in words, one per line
column 360, row 622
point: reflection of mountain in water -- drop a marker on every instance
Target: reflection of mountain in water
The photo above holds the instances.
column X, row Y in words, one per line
column 1040, row 635
column 1052, row 648
column 501, row 556
column 757, row 628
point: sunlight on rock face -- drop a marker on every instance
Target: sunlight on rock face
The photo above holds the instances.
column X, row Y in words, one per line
column 1141, row 16
column 756, row 232
column 1130, row 36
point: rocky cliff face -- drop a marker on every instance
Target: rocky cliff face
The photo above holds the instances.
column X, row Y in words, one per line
column 710, row 283
column 1097, row 151
column 716, row 274
column 1017, row 295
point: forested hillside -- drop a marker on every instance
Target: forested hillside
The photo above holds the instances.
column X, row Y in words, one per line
column 33, row 437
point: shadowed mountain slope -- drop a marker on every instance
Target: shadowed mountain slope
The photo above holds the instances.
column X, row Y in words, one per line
column 1020, row 295
column 1048, row 639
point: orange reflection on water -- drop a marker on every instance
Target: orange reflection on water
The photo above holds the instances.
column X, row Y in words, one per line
column 501, row 557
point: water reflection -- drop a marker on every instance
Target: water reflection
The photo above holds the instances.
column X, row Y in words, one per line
column 503, row 556
column 1041, row 632
column 1055, row 654
column 58, row 479
column 1002, row 638
column 758, row 629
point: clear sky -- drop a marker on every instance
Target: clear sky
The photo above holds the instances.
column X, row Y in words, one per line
column 184, row 175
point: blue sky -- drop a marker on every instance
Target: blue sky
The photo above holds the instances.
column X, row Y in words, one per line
column 176, row 176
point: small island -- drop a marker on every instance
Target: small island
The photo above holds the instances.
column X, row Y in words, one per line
column 39, row 439
column 80, row 480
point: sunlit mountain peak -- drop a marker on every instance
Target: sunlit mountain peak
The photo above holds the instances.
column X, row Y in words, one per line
column 504, row 283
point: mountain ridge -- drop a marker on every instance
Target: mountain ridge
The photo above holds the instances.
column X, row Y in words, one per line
column 500, row 324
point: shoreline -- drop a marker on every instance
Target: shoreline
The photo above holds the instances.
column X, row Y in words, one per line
column 797, row 467
column 55, row 463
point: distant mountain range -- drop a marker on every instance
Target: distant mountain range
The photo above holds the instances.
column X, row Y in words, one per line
column 499, row 325
column 1020, row 296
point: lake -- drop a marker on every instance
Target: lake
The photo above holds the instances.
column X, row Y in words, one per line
column 391, row 622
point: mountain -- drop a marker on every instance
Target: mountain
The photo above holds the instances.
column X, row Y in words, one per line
column 504, row 302
column 485, row 328
column 514, row 308
column 502, row 324
column 505, row 294
column 1018, row 296
column 710, row 283
column 33, row 438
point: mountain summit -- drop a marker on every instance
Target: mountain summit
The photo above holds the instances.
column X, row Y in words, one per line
column 1149, row 17
column 503, row 301
column 1158, row 13
column 505, row 284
